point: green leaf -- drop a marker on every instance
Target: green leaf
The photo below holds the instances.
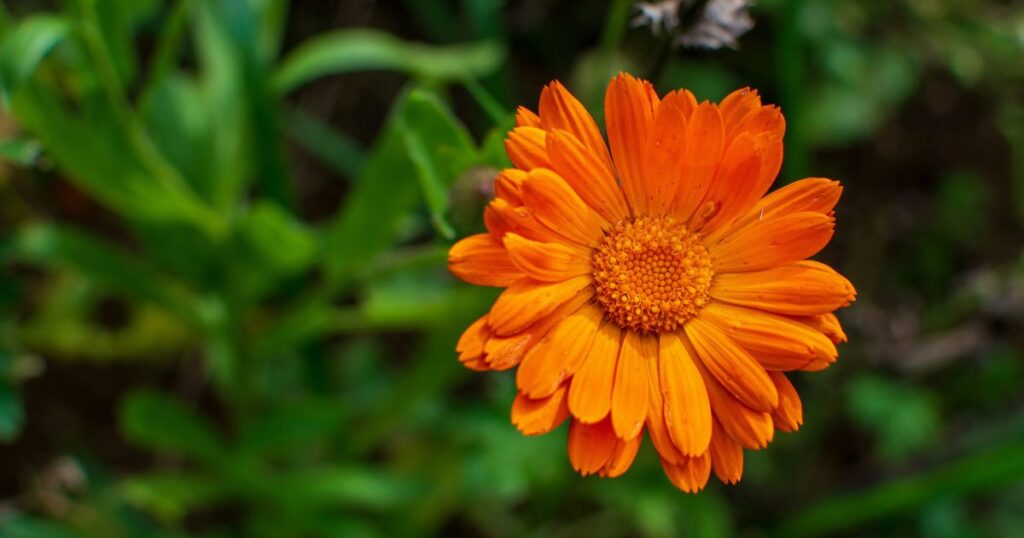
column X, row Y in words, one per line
column 22, row 526
column 21, row 151
column 106, row 265
column 26, row 47
column 436, row 159
column 292, row 426
column 160, row 423
column 276, row 238
column 387, row 189
column 344, row 51
column 345, row 486
column 170, row 497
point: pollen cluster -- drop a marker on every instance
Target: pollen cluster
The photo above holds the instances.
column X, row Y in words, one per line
column 651, row 274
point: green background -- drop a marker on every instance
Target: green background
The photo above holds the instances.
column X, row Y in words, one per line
column 224, row 308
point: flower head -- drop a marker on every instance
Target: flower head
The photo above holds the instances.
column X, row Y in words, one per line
column 654, row 287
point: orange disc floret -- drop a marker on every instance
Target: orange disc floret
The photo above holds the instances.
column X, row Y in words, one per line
column 652, row 288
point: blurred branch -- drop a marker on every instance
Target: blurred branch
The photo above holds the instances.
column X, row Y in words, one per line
column 615, row 25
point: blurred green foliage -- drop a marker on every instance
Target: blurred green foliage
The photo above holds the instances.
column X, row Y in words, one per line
column 330, row 400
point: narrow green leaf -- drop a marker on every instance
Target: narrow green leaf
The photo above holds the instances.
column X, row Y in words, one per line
column 343, row 51
column 26, row 47
column 338, row 151
column 163, row 424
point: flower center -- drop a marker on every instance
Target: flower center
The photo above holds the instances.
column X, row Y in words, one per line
column 651, row 274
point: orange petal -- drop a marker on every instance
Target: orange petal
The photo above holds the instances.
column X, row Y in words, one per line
column 773, row 242
column 526, row 118
column 557, row 356
column 817, row 195
column 509, row 185
column 663, row 166
column 590, row 393
column 731, row 365
column 629, row 395
column 471, row 344
column 591, row 445
column 687, row 409
column 554, row 203
column 629, row 113
column 691, row 475
column 527, row 148
column 736, row 106
column 726, row 456
column 548, row 262
column 528, row 300
column 705, row 139
column 827, row 323
column 656, row 426
column 536, row 417
column 480, row 259
column 622, row 457
column 762, row 333
column 753, row 429
column 501, row 218
column 801, row 289
column 789, row 415
column 589, row 176
column 748, row 169
column 504, row 352
column 762, row 119
column 560, row 110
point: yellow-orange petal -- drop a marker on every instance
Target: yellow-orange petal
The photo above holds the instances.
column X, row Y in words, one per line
column 816, row 195
column 726, row 456
column 705, row 139
column 748, row 169
column 480, row 259
column 732, row 365
column 526, row 118
column 504, row 352
column 690, row 475
column 590, row 392
column 591, row 445
column 622, row 457
column 501, row 218
column 629, row 394
column 760, row 120
column 760, row 332
column 629, row 112
column 663, row 165
column 536, row 417
column 587, row 174
column 553, row 202
column 559, row 110
column 789, row 415
column 800, row 289
column 470, row 346
column 772, row 242
column 827, row 323
column 557, row 356
column 752, row 429
column 687, row 408
column 656, row 426
column 547, row 262
column 528, row 300
column 527, row 148
column 736, row 106
column 509, row 185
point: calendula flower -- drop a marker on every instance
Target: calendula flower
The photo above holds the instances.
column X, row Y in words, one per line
column 654, row 287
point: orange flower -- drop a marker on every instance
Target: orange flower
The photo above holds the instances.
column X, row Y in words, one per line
column 654, row 286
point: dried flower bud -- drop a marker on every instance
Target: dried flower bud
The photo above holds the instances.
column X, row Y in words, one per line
column 712, row 24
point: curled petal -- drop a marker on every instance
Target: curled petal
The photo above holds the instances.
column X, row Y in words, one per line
column 504, row 352
column 480, row 259
column 527, row 148
column 726, row 456
column 690, row 475
column 591, row 446
column 471, row 345
column 539, row 416
column 789, row 415
column 548, row 262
